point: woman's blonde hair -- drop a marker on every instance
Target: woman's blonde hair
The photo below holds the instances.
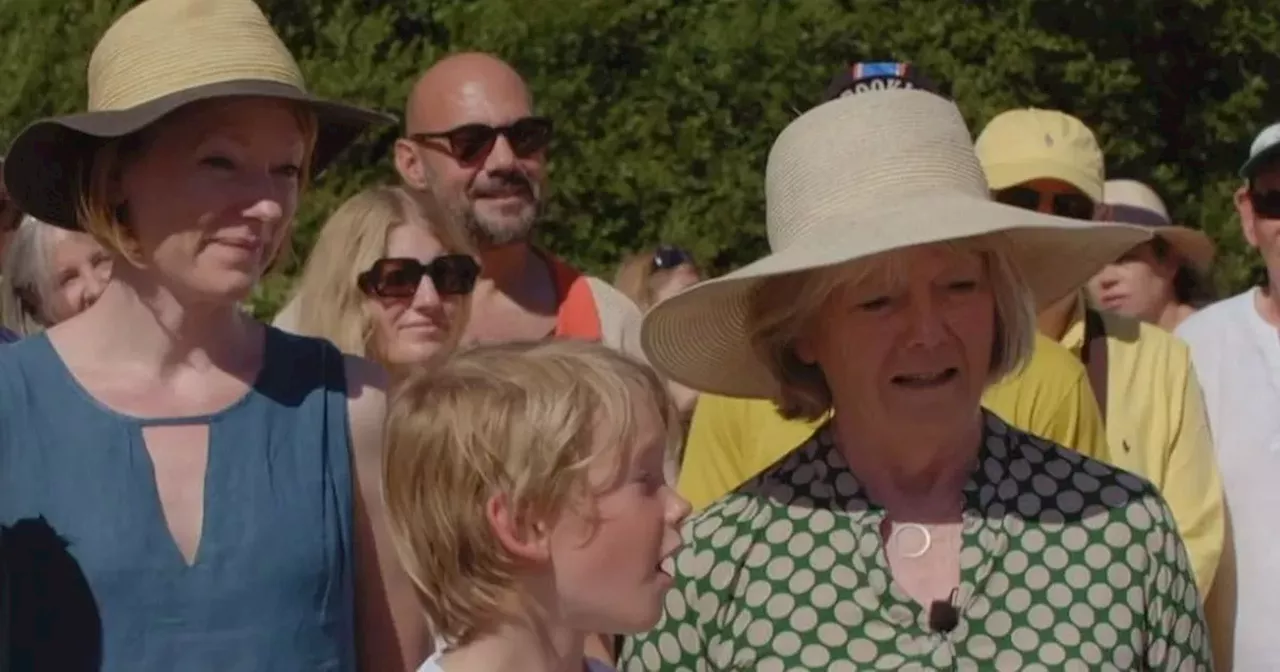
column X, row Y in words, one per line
column 108, row 222
column 784, row 307
column 522, row 420
column 329, row 302
column 639, row 279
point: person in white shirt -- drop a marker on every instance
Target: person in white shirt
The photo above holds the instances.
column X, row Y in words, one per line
column 1235, row 347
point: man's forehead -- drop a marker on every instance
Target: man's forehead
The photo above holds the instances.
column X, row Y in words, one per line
column 463, row 97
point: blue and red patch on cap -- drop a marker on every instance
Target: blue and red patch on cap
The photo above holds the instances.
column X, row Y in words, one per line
column 865, row 76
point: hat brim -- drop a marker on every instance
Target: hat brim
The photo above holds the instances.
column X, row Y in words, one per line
column 699, row 337
column 1251, row 166
column 1194, row 246
column 43, row 166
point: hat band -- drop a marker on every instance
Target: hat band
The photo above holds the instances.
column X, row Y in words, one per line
column 1130, row 214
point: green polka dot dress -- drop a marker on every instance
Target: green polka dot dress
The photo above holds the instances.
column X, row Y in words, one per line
column 1066, row 564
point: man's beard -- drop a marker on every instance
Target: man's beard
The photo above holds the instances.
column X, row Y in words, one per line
column 501, row 229
column 491, row 232
column 487, row 233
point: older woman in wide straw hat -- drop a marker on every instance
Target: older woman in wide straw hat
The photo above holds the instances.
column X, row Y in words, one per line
column 216, row 480
column 915, row 530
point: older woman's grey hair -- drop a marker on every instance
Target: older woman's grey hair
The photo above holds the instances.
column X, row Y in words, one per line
column 784, row 306
column 22, row 273
column 48, row 275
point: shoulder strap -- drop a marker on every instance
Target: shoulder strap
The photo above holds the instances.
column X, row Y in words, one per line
column 1094, row 357
column 577, row 316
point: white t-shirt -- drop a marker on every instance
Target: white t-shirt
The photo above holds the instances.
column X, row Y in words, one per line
column 432, row 664
column 1237, row 358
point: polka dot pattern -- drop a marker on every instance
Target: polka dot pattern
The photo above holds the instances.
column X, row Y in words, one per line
column 1066, row 564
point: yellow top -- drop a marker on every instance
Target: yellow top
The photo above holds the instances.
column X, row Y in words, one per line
column 1157, row 427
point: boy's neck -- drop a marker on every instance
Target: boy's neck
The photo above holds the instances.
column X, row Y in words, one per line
column 517, row 647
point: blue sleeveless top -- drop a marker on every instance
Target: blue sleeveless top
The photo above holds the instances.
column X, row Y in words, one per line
column 271, row 585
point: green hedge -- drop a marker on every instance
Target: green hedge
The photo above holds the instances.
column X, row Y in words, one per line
column 665, row 109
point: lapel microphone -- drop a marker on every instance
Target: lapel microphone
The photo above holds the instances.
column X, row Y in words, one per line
column 943, row 614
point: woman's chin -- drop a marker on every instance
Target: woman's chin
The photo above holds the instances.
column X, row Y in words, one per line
column 224, row 288
column 414, row 354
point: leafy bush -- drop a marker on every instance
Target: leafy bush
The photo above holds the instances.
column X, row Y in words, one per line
column 665, row 110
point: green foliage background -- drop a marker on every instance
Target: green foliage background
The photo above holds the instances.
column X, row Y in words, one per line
column 665, row 109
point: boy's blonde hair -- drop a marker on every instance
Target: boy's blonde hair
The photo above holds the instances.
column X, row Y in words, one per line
column 520, row 419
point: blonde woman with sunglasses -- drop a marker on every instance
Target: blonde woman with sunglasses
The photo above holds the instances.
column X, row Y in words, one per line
column 386, row 280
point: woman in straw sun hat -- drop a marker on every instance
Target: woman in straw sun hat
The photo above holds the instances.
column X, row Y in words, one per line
column 1162, row 281
column 217, row 480
column 915, row 529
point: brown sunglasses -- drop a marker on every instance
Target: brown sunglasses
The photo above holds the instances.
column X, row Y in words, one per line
column 398, row 278
column 471, row 142
column 1073, row 206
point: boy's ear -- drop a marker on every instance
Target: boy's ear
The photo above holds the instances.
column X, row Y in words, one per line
column 524, row 539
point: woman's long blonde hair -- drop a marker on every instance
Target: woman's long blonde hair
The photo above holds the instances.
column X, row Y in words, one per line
column 329, row 303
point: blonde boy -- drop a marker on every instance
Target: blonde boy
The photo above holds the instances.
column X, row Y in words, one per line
column 526, row 489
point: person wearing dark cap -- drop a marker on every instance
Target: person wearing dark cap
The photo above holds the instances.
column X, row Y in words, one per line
column 863, row 76
column 218, row 481
column 731, row 439
column 1236, row 350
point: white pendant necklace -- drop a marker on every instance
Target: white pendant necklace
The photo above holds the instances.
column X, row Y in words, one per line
column 926, row 539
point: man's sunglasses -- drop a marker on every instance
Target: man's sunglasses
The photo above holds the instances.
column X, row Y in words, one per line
column 397, row 278
column 1074, row 206
column 472, row 142
column 667, row 257
column 1265, row 203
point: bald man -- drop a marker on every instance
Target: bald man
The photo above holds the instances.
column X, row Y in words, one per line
column 473, row 143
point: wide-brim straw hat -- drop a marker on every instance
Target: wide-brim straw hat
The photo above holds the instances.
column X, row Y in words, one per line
column 156, row 58
column 849, row 179
column 1133, row 202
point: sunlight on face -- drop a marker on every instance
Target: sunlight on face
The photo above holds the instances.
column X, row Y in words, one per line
column 212, row 193
column 1137, row 285
column 79, row 269
column 1262, row 232
column 909, row 342
column 608, row 565
column 413, row 330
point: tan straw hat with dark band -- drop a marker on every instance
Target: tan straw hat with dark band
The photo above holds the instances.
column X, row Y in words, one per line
column 159, row 56
column 1133, row 202
column 855, row 177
